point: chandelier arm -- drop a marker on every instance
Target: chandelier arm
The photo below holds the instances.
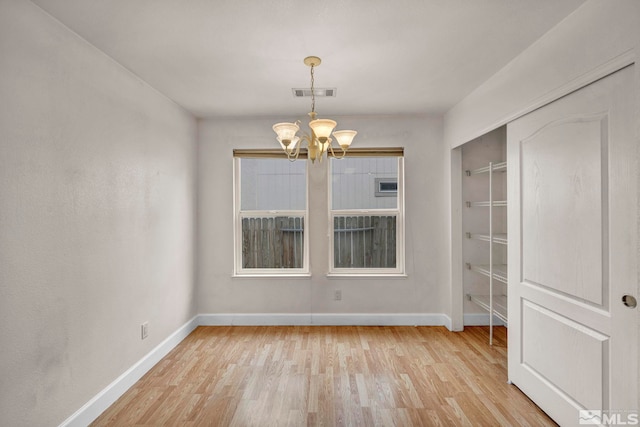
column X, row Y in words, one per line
column 312, row 140
column 317, row 146
column 324, row 148
column 294, row 156
column 344, row 153
column 305, row 138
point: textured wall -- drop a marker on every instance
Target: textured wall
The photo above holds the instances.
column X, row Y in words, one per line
column 96, row 218
column 421, row 292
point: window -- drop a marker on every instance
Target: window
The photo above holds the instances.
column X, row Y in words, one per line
column 386, row 187
column 270, row 216
column 366, row 215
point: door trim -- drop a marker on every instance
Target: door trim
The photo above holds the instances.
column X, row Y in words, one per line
column 609, row 67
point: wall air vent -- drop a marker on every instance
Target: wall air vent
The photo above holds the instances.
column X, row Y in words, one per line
column 306, row 92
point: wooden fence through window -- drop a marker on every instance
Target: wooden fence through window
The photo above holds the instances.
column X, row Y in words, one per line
column 361, row 241
column 364, row 241
column 275, row 242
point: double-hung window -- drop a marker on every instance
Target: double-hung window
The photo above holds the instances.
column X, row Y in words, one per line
column 270, row 216
column 367, row 214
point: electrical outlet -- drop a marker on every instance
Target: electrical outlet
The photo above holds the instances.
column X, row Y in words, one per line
column 144, row 329
column 337, row 296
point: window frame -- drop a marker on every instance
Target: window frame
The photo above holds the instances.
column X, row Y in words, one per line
column 239, row 215
column 399, row 212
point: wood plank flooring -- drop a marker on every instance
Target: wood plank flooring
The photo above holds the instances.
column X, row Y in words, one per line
column 329, row 376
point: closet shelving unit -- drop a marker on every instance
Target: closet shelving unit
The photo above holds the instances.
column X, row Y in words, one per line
column 493, row 302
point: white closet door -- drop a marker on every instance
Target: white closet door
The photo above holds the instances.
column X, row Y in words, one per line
column 573, row 252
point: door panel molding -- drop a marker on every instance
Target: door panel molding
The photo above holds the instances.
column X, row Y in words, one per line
column 563, row 201
column 584, row 360
column 572, row 343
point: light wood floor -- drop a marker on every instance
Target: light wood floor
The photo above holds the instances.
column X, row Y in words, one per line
column 329, row 376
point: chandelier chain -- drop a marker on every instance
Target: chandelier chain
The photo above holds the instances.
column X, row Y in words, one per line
column 313, row 94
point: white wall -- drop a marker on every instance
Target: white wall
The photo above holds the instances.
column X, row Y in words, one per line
column 96, row 218
column 421, row 292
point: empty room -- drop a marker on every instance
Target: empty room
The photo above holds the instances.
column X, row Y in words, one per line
column 330, row 213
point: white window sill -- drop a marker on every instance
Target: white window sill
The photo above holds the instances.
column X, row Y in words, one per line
column 272, row 275
column 366, row 275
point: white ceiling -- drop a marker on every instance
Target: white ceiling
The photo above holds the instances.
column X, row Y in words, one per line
column 242, row 57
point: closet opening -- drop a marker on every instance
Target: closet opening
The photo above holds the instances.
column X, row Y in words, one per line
column 483, row 233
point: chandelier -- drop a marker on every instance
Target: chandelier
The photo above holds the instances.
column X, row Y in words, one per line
column 319, row 141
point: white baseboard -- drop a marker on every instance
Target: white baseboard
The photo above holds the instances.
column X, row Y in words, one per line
column 100, row 402
column 333, row 319
column 250, row 319
column 480, row 319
